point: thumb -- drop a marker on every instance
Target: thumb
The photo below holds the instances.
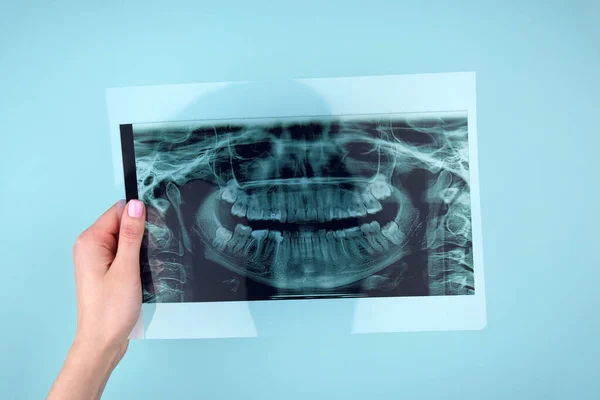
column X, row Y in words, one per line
column 131, row 233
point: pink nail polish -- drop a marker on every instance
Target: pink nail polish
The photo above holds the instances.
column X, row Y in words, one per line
column 135, row 208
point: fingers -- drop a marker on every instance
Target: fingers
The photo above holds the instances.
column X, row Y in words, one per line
column 95, row 248
column 131, row 234
column 108, row 223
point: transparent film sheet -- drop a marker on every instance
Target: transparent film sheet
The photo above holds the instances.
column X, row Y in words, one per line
column 345, row 205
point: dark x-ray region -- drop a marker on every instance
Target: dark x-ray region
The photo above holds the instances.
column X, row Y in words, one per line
column 320, row 207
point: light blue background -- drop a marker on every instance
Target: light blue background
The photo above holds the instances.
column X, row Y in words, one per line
column 537, row 74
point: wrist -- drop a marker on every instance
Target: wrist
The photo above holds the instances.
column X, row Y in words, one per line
column 98, row 350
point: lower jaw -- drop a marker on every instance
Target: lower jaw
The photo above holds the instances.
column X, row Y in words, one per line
column 269, row 262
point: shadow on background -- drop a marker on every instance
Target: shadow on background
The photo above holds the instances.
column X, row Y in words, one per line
column 209, row 280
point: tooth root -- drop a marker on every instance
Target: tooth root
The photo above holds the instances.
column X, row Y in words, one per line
column 305, row 244
column 392, row 232
column 239, row 241
column 380, row 190
column 323, row 246
column 358, row 247
column 295, row 247
column 333, row 248
column 374, row 243
column 282, row 253
column 382, row 241
column 254, row 250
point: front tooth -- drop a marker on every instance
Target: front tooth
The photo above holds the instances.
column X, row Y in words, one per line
column 240, row 207
column 372, row 205
column 311, row 207
column 230, row 192
column 300, row 207
column 291, row 207
column 380, row 189
column 392, row 232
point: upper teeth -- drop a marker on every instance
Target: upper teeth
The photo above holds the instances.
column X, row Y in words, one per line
column 324, row 204
column 380, row 190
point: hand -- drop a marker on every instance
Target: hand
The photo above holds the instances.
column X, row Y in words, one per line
column 109, row 298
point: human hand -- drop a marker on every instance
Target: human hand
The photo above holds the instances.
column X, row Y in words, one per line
column 109, row 298
column 107, row 276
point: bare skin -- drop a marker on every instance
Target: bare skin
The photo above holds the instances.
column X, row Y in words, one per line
column 109, row 298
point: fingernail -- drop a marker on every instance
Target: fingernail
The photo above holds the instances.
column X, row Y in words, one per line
column 135, row 209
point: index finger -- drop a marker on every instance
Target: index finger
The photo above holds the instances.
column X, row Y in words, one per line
column 109, row 222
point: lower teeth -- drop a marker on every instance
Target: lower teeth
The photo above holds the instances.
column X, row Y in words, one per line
column 322, row 246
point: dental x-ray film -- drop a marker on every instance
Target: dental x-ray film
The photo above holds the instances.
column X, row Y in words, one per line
column 354, row 195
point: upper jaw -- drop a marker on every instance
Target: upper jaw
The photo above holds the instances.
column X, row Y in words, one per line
column 303, row 201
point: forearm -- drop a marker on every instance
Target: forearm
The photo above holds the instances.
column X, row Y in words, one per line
column 85, row 371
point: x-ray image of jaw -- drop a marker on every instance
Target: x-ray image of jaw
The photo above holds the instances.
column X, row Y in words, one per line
column 348, row 206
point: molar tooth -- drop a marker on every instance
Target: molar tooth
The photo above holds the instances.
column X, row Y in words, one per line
column 380, row 189
column 375, row 227
column 371, row 232
column 352, row 232
column 382, row 241
column 243, row 230
column 311, row 207
column 230, row 192
column 254, row 249
column 222, row 236
column 229, row 195
column 255, row 211
column 366, row 228
column 239, row 241
column 339, row 234
column 259, row 234
column 372, row 205
column 392, row 232
column 240, row 207
column 358, row 247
